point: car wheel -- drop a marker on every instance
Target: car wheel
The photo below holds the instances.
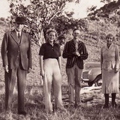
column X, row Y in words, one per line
column 99, row 83
column 98, row 80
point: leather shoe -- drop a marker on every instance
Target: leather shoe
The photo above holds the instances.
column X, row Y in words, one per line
column 61, row 109
column 77, row 105
column 114, row 105
column 22, row 113
column 105, row 106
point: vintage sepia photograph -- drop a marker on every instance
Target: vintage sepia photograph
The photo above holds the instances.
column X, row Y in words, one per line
column 59, row 59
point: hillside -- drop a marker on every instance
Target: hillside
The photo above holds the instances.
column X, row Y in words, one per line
column 100, row 23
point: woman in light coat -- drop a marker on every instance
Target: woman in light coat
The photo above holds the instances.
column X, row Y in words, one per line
column 110, row 70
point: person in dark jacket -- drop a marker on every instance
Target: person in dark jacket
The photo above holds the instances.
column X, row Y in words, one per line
column 75, row 52
column 17, row 61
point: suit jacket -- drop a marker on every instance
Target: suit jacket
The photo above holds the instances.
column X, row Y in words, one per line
column 16, row 51
column 71, row 58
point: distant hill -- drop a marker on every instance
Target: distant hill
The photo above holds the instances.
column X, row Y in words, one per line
column 99, row 23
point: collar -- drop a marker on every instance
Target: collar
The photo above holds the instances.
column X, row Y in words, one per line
column 20, row 32
column 77, row 42
column 110, row 46
column 50, row 44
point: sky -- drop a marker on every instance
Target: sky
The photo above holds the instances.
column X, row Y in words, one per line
column 4, row 8
column 79, row 9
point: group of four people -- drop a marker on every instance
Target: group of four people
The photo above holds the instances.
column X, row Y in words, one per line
column 17, row 61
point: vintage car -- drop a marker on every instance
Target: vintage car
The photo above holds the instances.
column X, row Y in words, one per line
column 92, row 73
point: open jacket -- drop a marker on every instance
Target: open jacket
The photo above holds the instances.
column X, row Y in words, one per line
column 71, row 58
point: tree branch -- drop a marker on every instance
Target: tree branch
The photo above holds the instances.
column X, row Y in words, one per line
column 56, row 13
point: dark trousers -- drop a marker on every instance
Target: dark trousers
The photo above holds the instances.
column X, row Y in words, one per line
column 10, row 79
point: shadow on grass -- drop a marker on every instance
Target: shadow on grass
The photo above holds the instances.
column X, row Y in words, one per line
column 36, row 110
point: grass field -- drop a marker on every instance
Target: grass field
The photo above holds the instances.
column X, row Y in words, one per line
column 35, row 109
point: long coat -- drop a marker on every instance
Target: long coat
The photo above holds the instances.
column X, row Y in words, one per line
column 110, row 62
column 14, row 51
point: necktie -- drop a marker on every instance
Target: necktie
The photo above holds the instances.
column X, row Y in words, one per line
column 19, row 35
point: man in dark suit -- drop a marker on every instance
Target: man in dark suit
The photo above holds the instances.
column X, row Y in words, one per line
column 17, row 61
column 75, row 52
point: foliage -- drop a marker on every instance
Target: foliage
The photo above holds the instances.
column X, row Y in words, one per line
column 43, row 14
column 108, row 1
column 63, row 24
column 39, row 13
